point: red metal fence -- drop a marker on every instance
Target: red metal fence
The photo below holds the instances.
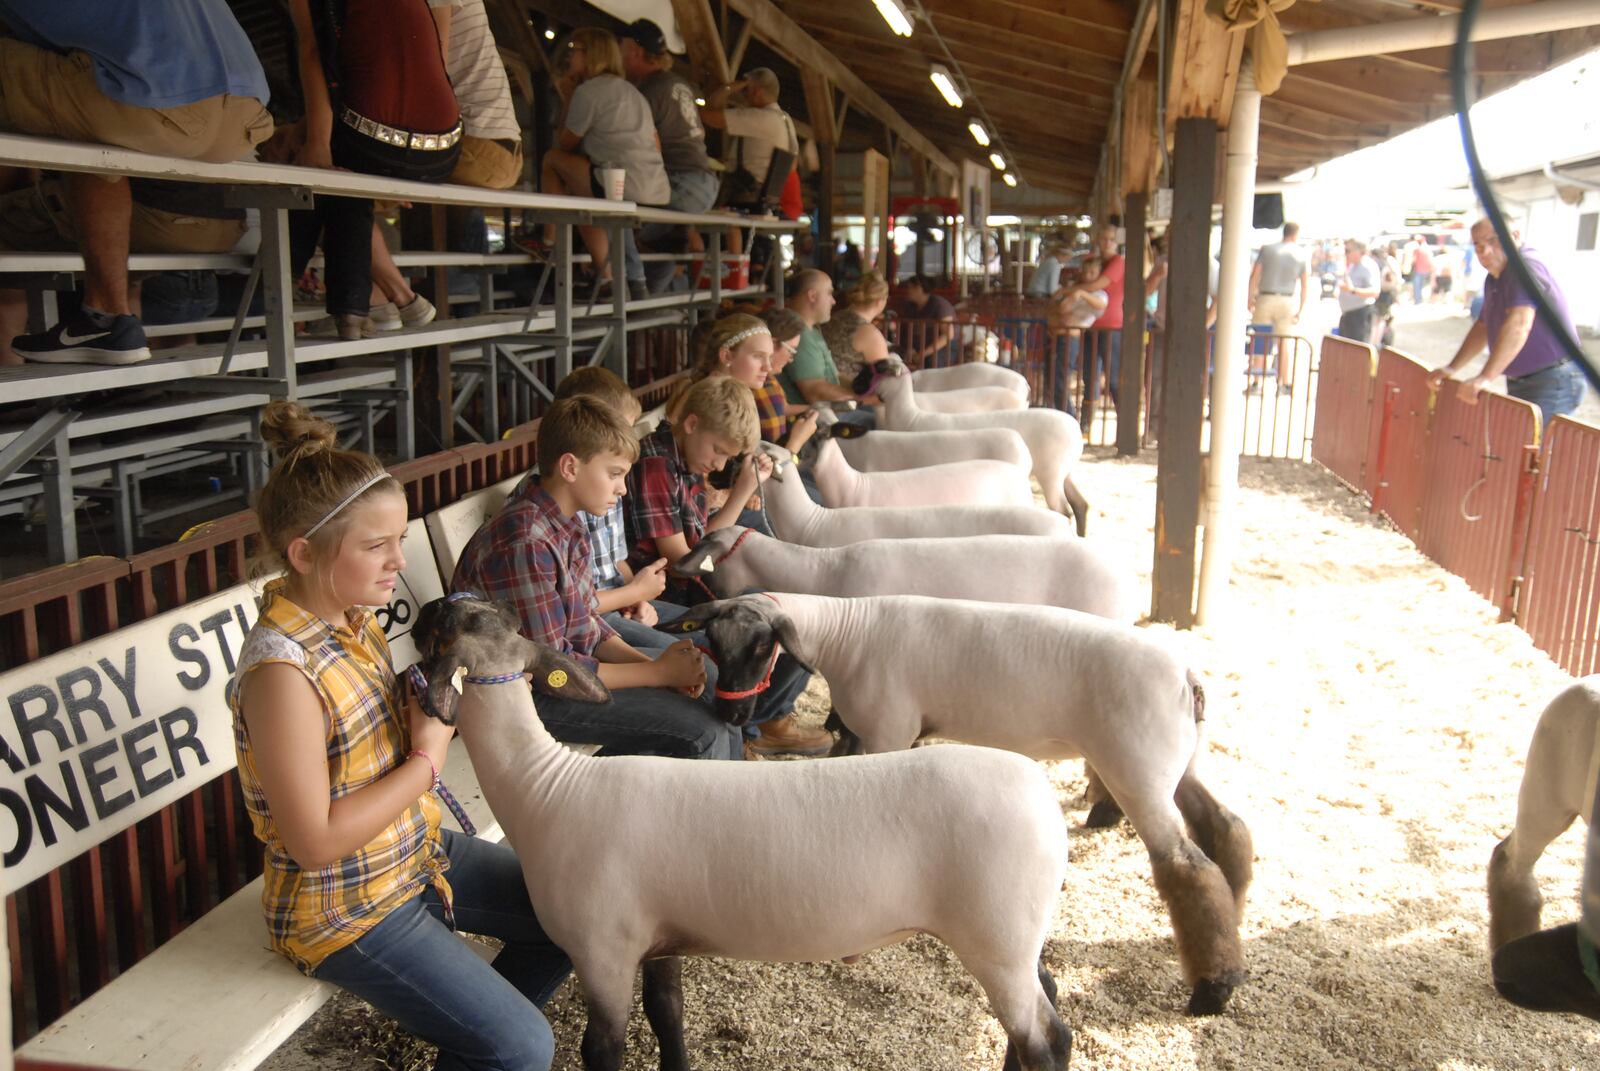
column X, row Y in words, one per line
column 1343, row 402
column 1478, row 484
column 1560, row 603
column 1397, row 440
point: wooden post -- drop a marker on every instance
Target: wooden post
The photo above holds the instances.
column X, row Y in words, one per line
column 825, row 128
column 1130, row 383
column 1178, row 473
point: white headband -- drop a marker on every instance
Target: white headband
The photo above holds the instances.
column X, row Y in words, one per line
column 351, row 497
column 749, row 332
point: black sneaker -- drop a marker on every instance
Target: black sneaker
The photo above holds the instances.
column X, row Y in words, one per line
column 80, row 340
column 637, row 291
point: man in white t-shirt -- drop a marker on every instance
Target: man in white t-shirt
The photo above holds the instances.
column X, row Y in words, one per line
column 759, row 129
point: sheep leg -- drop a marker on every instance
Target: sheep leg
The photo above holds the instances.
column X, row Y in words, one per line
column 1203, row 922
column 848, row 743
column 1037, row 1039
column 1077, row 503
column 608, row 996
column 1550, row 798
column 1104, row 811
column 663, row 1006
column 1220, row 834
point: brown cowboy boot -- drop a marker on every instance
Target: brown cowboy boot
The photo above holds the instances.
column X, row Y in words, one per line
column 785, row 736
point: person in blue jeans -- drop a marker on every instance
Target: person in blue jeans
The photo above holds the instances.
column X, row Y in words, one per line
column 1523, row 346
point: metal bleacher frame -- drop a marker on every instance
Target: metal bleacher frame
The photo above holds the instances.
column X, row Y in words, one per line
column 211, row 391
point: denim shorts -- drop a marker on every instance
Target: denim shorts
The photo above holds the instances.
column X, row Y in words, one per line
column 1556, row 390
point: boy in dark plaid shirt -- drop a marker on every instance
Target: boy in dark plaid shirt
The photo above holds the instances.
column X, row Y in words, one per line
column 534, row 555
column 666, row 516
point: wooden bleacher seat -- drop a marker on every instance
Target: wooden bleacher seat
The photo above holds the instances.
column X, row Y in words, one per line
column 450, row 528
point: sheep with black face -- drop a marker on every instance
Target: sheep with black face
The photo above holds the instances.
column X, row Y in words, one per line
column 637, row 860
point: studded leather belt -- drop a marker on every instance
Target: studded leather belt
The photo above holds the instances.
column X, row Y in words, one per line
column 400, row 139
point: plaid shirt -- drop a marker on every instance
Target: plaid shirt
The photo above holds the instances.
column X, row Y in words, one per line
column 608, row 545
column 664, row 498
column 536, row 559
column 772, row 409
column 313, row 913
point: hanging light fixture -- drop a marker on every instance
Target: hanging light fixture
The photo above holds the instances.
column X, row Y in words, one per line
column 998, row 161
column 939, row 74
column 896, row 15
column 980, row 135
column 1009, row 179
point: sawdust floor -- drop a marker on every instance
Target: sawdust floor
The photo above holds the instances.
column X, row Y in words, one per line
column 1367, row 717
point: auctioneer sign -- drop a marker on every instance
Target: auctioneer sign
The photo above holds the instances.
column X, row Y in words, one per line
column 99, row 736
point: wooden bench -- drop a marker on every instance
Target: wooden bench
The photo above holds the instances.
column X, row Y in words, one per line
column 138, row 719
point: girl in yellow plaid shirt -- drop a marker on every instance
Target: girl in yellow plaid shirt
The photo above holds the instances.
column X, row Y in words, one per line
column 362, row 886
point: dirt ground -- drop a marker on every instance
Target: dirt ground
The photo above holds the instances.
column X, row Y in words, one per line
column 1367, row 717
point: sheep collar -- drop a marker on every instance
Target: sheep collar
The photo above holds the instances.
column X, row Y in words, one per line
column 731, row 551
column 766, row 679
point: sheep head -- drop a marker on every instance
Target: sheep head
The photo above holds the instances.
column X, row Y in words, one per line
column 463, row 634
column 701, row 562
column 745, row 635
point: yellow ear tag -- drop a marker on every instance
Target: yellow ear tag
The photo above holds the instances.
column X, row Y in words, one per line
column 457, row 677
column 557, row 678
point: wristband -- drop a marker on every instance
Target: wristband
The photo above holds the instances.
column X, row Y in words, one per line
column 432, row 769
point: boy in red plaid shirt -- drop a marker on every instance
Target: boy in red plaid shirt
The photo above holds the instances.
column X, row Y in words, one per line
column 534, row 555
column 666, row 516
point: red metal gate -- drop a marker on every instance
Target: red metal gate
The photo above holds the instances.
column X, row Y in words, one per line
column 1479, row 477
column 1397, row 440
column 1560, row 603
column 1343, row 404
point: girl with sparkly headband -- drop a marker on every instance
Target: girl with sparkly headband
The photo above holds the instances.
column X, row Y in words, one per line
column 339, row 767
column 741, row 345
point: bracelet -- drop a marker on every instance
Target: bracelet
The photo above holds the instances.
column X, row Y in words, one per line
column 432, row 769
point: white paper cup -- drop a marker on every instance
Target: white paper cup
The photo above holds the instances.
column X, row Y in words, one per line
column 614, row 181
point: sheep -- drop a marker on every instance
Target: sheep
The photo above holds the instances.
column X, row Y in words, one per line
column 1558, row 785
column 891, row 451
column 973, row 374
column 1038, row 680
column 1054, row 439
column 797, row 519
column 640, row 860
column 1035, row 570
column 972, row 400
column 973, row 483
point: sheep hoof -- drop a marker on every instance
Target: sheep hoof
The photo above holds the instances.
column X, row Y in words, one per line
column 1103, row 815
column 1210, row 996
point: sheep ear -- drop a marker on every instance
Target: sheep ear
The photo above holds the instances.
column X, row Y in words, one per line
column 695, row 562
column 789, row 636
column 442, row 691
column 555, row 673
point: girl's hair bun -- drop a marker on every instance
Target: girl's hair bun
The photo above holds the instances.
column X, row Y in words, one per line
column 290, row 428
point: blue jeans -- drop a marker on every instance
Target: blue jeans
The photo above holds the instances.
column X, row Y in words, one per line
column 1066, row 352
column 1556, row 390
column 692, row 191
column 178, row 297
column 646, row 721
column 412, row 968
column 645, row 637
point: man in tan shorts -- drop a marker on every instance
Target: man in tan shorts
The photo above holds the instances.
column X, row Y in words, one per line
column 1279, row 270
column 172, row 77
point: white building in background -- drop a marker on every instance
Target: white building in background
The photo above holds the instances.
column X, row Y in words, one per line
column 1560, row 208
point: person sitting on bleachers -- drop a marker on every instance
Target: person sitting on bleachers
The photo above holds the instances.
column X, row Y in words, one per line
column 378, row 101
column 607, row 125
column 171, row 77
column 683, row 144
column 850, row 334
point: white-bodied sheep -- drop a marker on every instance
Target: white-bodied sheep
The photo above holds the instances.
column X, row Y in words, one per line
column 972, row 400
column 1038, row 680
column 971, row 374
column 891, row 451
column 1558, row 785
column 954, row 483
column 797, row 519
column 1055, row 442
column 635, row 860
column 1031, row 570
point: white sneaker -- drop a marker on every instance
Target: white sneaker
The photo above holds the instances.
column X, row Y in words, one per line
column 389, row 317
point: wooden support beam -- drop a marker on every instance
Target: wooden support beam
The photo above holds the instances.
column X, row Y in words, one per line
column 1179, row 469
column 736, row 57
column 1130, row 383
column 1205, row 63
column 786, row 36
column 1140, row 158
column 819, row 106
column 703, row 40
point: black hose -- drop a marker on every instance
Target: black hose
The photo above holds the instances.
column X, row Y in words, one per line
column 1461, row 83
